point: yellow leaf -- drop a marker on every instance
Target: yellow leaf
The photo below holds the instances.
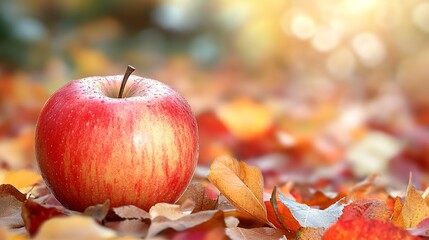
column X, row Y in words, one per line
column 22, row 178
column 413, row 211
column 241, row 184
column 245, row 118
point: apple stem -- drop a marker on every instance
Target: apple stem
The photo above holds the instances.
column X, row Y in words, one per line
column 130, row 69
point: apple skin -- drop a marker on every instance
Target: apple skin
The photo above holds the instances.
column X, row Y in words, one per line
column 139, row 150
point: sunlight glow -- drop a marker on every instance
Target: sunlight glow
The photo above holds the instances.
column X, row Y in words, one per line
column 303, row 27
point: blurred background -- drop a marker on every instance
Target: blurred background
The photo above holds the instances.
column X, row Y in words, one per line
column 305, row 90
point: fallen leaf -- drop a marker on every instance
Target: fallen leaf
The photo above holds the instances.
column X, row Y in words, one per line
column 215, row 138
column 128, row 212
column 254, row 233
column 169, row 211
column 73, row 227
column 280, row 215
column 161, row 223
column 200, row 195
column 128, row 220
column 311, row 217
column 11, row 201
column 413, row 211
column 363, row 188
column 236, row 115
column 309, row 233
column 213, row 229
column 34, row 215
column 10, row 190
column 241, row 184
column 98, row 212
column 397, row 218
column 370, row 229
column 366, row 208
column 22, row 178
column 321, row 200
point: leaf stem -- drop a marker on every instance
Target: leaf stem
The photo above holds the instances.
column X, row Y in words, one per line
column 130, row 69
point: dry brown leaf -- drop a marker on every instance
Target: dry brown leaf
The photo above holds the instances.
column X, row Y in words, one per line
column 99, row 211
column 128, row 220
column 162, row 223
column 213, row 229
column 129, row 212
column 11, row 201
column 241, row 184
column 254, row 233
column 413, row 211
column 198, row 193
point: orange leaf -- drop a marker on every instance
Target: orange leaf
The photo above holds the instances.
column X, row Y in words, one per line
column 280, row 215
column 414, row 210
column 369, row 229
column 366, row 208
column 241, row 184
column 245, row 118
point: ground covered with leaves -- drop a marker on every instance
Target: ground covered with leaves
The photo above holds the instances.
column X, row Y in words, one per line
column 232, row 204
column 269, row 168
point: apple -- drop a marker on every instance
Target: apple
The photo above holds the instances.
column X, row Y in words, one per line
column 98, row 138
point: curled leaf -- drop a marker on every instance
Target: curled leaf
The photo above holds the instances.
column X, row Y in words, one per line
column 200, row 195
column 241, row 184
column 11, row 201
column 34, row 215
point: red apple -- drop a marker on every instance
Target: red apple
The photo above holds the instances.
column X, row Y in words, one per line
column 138, row 149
